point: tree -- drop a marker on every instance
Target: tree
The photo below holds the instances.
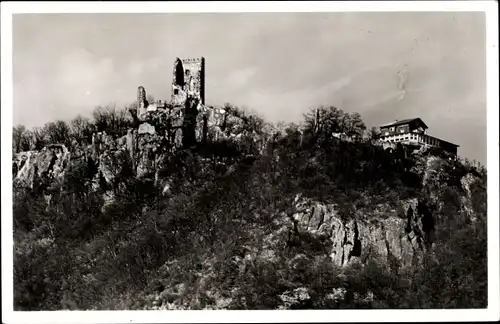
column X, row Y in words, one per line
column 57, row 132
column 101, row 117
column 38, row 138
column 374, row 134
column 110, row 119
column 352, row 124
column 18, row 133
column 81, row 129
column 324, row 122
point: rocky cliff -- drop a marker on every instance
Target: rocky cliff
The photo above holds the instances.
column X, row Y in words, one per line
column 396, row 237
column 236, row 240
column 155, row 137
column 396, row 234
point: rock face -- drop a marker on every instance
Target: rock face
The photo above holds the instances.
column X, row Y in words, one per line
column 395, row 238
column 146, row 128
column 363, row 237
column 23, row 169
column 466, row 200
column 146, row 146
column 48, row 165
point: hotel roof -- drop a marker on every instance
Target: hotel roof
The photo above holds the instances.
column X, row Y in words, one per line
column 404, row 121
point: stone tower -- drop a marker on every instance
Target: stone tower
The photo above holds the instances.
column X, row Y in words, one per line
column 188, row 80
column 141, row 100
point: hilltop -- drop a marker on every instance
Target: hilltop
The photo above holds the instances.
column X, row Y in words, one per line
column 114, row 213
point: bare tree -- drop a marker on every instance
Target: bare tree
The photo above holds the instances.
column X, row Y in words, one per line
column 81, row 129
column 18, row 137
column 352, row 124
column 57, row 132
column 111, row 119
column 38, row 138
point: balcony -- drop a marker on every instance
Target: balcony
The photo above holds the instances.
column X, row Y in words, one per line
column 412, row 138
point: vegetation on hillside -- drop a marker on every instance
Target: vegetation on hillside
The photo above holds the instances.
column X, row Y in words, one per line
column 190, row 247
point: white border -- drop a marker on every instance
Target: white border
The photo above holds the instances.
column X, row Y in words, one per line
column 490, row 314
column 243, row 6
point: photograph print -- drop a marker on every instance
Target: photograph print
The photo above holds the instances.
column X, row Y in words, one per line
column 249, row 161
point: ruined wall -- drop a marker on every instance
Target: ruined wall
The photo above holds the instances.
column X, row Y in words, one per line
column 141, row 101
column 185, row 120
column 188, row 80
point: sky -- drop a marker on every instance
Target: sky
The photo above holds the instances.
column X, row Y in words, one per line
column 385, row 66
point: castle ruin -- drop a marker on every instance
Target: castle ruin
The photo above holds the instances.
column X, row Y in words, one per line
column 185, row 117
column 188, row 80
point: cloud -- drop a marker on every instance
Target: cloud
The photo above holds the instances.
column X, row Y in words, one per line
column 240, row 78
column 80, row 72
